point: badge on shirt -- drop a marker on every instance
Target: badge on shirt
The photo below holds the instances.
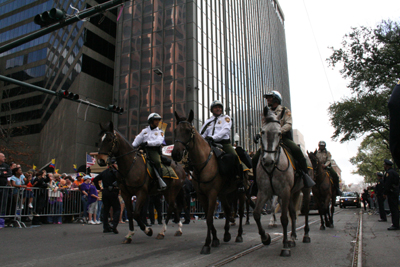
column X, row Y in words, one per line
column 227, row 119
column 155, row 133
column 219, row 122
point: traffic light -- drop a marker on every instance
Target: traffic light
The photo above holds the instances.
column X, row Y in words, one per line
column 115, row 109
column 50, row 17
column 69, row 95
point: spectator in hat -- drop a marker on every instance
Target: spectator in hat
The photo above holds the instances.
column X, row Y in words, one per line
column 379, row 196
column 391, row 191
column 92, row 202
column 84, row 187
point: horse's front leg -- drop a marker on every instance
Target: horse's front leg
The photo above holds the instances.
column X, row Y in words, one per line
column 332, row 211
column 242, row 199
column 204, row 203
column 285, row 252
column 141, row 198
column 293, row 216
column 327, row 213
column 129, row 208
column 274, row 207
column 260, row 202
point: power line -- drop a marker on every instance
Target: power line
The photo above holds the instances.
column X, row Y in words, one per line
column 319, row 53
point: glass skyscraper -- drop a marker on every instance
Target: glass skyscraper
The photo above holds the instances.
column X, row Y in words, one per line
column 234, row 51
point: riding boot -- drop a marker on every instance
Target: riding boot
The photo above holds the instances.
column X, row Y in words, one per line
column 308, row 182
column 161, row 185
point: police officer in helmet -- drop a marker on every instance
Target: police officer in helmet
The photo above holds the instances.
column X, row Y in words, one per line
column 325, row 157
column 217, row 129
column 391, row 191
column 151, row 138
column 274, row 101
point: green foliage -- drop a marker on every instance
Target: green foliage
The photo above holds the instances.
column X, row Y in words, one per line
column 369, row 159
column 370, row 58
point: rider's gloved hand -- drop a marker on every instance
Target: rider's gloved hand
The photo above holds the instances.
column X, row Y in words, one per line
column 209, row 139
column 143, row 145
column 256, row 137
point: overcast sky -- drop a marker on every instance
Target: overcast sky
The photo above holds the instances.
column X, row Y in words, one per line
column 312, row 91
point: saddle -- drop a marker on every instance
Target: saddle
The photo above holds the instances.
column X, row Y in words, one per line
column 167, row 170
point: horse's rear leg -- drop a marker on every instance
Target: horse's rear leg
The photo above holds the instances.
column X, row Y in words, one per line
column 261, row 199
column 247, row 211
column 293, row 216
column 306, row 199
column 332, row 211
column 285, row 252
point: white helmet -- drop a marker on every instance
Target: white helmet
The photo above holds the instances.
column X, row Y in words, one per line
column 275, row 95
column 216, row 103
column 153, row 116
column 322, row 143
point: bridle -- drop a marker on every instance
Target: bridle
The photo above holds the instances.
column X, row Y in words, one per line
column 192, row 133
column 186, row 145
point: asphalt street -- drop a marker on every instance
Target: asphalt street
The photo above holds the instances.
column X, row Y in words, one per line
column 77, row 244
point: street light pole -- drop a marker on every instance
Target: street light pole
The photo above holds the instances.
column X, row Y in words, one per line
column 160, row 73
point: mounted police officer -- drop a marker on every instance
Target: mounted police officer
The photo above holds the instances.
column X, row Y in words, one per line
column 151, row 139
column 274, row 100
column 379, row 194
column 391, row 191
column 217, row 129
column 109, row 196
column 325, row 157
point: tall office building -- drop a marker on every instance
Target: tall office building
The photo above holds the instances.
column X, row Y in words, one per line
column 177, row 55
column 159, row 56
column 78, row 58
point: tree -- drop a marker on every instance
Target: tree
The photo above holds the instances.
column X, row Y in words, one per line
column 370, row 59
column 369, row 159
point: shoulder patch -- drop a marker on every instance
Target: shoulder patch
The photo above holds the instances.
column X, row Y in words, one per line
column 162, row 133
column 398, row 82
column 387, row 174
column 227, row 119
column 288, row 113
column 156, row 133
column 145, row 133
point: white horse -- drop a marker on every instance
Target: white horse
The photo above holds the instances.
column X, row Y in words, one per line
column 276, row 176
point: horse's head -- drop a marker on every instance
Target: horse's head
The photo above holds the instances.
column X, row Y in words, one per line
column 108, row 144
column 313, row 159
column 270, row 137
column 184, row 133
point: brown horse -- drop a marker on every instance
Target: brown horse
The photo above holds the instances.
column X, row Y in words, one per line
column 134, row 180
column 207, row 180
column 324, row 192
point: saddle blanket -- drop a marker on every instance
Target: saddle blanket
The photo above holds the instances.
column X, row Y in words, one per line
column 167, row 171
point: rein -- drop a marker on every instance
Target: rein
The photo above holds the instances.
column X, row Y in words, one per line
column 186, row 145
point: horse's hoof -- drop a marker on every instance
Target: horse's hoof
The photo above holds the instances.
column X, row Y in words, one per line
column 270, row 226
column 150, row 232
column 285, row 252
column 127, row 241
column 306, row 239
column 178, row 233
column 275, row 225
column 233, row 224
column 247, row 223
column 239, row 239
column 266, row 240
column 227, row 237
column 291, row 244
column 331, row 226
column 328, row 224
column 205, row 250
column 215, row 243
column 160, row 236
column 322, row 228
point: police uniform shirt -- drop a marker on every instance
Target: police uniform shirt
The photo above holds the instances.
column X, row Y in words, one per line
column 222, row 124
column 153, row 137
column 391, row 182
column 108, row 177
column 5, row 172
column 286, row 121
column 324, row 156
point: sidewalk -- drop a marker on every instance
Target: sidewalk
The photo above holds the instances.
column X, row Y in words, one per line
column 380, row 246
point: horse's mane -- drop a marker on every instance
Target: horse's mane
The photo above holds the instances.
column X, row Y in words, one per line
column 269, row 118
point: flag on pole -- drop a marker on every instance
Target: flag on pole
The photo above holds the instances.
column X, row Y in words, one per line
column 34, row 167
column 75, row 167
column 56, row 171
column 90, row 161
column 53, row 163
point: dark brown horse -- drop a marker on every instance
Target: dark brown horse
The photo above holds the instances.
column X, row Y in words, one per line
column 207, row 180
column 134, row 180
column 324, row 192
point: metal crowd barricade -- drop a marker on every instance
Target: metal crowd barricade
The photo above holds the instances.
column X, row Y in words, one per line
column 18, row 203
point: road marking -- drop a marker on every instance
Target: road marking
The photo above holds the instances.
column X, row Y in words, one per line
column 357, row 253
